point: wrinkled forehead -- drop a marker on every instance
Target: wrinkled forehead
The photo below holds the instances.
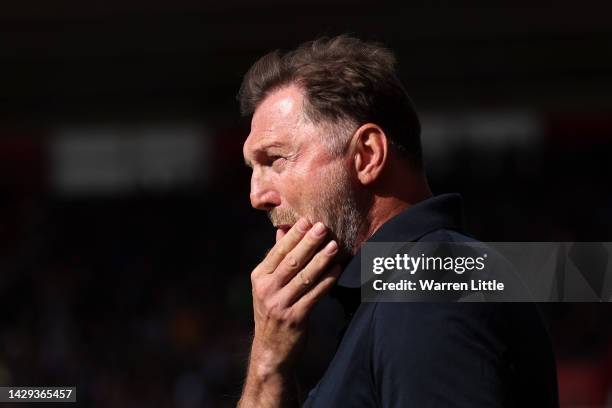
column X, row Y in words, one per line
column 277, row 119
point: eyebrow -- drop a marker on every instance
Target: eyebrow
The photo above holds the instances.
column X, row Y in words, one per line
column 263, row 149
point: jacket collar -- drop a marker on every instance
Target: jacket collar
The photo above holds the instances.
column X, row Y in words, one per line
column 440, row 212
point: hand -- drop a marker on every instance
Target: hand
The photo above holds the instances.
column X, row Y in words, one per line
column 286, row 286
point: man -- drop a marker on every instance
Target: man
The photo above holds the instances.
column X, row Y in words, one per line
column 336, row 158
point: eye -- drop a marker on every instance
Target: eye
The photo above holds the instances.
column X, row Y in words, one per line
column 276, row 161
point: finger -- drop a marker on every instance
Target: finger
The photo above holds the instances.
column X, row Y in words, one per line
column 305, row 303
column 309, row 275
column 283, row 246
column 280, row 234
column 301, row 254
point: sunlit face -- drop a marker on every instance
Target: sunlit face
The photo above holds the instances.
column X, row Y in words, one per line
column 294, row 173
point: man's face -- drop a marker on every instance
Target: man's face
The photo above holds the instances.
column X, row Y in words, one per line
column 294, row 173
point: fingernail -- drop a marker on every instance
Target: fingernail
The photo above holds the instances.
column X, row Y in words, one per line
column 319, row 229
column 331, row 247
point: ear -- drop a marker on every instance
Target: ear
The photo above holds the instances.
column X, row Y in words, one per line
column 369, row 152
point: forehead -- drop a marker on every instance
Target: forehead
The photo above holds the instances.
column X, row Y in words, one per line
column 278, row 120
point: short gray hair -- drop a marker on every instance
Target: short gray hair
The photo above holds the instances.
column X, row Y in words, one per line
column 346, row 82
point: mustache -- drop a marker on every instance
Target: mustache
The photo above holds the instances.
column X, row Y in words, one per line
column 282, row 216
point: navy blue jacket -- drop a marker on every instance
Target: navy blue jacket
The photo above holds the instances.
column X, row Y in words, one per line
column 435, row 354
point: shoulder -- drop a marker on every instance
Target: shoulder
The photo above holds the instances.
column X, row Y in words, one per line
column 447, row 235
column 464, row 331
column 436, row 351
column 412, row 322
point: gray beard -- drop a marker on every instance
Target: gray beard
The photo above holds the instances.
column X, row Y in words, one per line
column 338, row 207
column 344, row 216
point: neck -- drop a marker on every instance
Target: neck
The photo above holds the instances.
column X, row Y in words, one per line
column 384, row 207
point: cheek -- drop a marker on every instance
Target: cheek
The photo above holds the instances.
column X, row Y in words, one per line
column 308, row 176
column 303, row 188
column 320, row 185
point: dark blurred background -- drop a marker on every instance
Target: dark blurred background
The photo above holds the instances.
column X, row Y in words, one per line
column 126, row 236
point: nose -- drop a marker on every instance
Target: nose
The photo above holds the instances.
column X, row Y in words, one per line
column 264, row 196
